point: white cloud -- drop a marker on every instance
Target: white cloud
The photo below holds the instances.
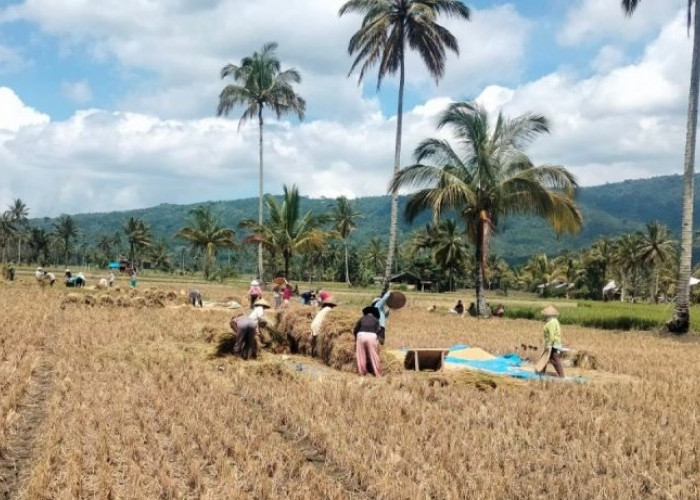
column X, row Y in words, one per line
column 609, row 57
column 14, row 114
column 590, row 20
column 620, row 123
column 98, row 160
column 184, row 44
column 79, row 92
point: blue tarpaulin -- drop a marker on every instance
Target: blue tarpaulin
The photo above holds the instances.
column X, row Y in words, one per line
column 113, row 265
column 508, row 365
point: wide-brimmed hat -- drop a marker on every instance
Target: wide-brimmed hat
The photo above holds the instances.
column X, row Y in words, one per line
column 254, row 283
column 549, row 311
column 67, row 270
column 39, row 268
column 371, row 310
column 262, row 303
column 329, row 302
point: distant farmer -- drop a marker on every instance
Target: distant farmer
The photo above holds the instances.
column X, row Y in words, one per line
column 195, row 298
column 254, row 293
column 307, row 297
column 50, row 277
column 500, row 311
column 380, row 304
column 367, row 341
column 103, row 284
column 458, row 308
column 133, row 278
column 287, row 293
column 322, row 296
column 432, row 308
column 111, row 279
column 77, row 281
column 39, row 274
column 552, row 339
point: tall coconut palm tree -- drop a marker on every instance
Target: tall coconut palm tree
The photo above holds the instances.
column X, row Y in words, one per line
column 138, row 235
column 627, row 262
column 260, row 83
column 206, row 234
column 286, row 231
column 655, row 248
column 19, row 214
column 376, row 255
column 39, row 243
column 66, row 231
column 7, row 231
column 344, row 220
column 388, row 28
column 450, row 249
column 680, row 322
column 485, row 176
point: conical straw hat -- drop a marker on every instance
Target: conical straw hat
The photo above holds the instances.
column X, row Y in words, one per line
column 262, row 303
column 549, row 311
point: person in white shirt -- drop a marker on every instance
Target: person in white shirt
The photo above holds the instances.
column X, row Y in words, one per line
column 320, row 317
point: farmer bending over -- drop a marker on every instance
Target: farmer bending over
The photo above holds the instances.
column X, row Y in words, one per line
column 366, row 341
column 195, row 298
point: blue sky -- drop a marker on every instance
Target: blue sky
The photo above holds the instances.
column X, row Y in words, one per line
column 112, row 98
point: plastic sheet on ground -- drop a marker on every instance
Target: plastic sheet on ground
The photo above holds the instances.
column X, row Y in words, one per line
column 509, row 365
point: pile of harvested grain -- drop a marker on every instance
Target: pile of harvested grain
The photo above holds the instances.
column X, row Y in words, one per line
column 335, row 344
column 71, row 298
column 585, row 360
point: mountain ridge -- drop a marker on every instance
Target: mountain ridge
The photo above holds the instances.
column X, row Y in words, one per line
column 608, row 209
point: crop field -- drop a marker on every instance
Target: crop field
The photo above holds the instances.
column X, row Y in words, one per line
column 103, row 401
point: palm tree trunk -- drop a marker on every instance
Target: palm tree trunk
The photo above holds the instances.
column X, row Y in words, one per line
column 481, row 307
column 393, row 225
column 286, row 266
column 680, row 323
column 19, row 250
column 347, row 267
column 260, row 191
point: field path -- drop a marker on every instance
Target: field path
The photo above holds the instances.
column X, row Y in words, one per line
column 299, row 439
column 17, row 455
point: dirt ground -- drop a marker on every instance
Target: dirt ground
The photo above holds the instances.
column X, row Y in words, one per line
column 127, row 402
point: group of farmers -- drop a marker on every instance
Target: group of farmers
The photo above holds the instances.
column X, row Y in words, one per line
column 78, row 280
column 369, row 331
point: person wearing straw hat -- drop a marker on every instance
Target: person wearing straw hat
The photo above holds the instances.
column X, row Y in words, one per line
column 320, row 317
column 39, row 273
column 246, row 328
column 254, row 292
column 366, row 333
column 552, row 339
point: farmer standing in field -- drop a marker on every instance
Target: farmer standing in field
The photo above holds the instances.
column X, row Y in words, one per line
column 366, row 333
column 254, row 293
column 380, row 304
column 552, row 339
column 320, row 317
column 195, row 298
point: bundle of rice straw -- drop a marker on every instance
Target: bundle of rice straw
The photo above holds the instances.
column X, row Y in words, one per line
column 89, row 300
column 105, row 300
column 335, row 344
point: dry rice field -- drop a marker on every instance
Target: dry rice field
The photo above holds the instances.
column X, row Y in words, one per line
column 127, row 402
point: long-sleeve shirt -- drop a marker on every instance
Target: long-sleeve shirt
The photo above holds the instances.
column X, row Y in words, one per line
column 383, row 313
column 317, row 323
column 367, row 323
column 552, row 333
column 257, row 314
column 255, row 290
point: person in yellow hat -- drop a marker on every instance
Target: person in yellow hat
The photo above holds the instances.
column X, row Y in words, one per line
column 552, row 339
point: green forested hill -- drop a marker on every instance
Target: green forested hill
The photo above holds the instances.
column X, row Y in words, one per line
column 609, row 209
